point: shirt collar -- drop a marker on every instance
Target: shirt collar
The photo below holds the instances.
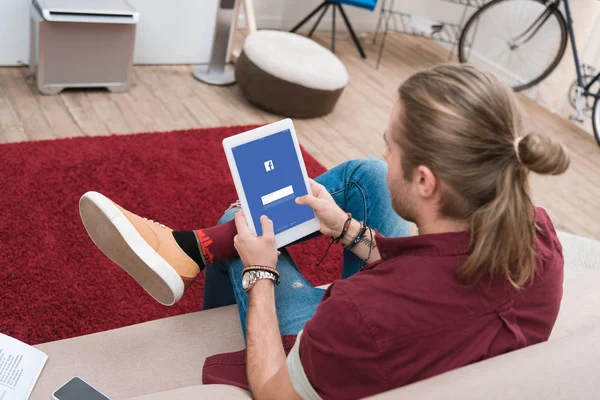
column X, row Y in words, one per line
column 437, row 244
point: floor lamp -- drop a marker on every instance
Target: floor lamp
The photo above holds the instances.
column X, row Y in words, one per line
column 217, row 72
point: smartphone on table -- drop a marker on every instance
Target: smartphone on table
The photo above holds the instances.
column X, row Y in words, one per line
column 78, row 389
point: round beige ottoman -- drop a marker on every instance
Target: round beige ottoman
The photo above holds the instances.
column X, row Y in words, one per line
column 289, row 74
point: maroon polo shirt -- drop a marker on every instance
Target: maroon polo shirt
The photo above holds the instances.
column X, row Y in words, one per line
column 406, row 317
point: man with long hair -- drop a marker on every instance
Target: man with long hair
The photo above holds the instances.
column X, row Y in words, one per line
column 483, row 276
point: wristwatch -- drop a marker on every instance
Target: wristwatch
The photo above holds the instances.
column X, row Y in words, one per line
column 251, row 277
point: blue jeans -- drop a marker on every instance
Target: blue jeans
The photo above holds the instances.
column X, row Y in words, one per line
column 358, row 187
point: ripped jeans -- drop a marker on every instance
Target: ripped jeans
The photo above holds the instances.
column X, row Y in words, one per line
column 358, row 187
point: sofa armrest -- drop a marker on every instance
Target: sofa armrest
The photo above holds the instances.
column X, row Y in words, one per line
column 199, row 392
column 145, row 358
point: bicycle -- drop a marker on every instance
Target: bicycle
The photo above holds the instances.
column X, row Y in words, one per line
column 528, row 48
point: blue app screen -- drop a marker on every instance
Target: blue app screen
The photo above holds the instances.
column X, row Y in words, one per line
column 272, row 178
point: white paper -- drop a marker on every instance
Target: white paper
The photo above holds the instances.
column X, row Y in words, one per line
column 20, row 368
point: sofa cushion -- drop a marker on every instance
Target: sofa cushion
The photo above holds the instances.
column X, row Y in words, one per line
column 580, row 306
column 581, row 254
column 565, row 368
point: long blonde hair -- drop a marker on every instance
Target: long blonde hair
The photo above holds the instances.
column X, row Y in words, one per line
column 465, row 125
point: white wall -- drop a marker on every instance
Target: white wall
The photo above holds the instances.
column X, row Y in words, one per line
column 178, row 33
column 277, row 14
column 14, row 31
column 182, row 31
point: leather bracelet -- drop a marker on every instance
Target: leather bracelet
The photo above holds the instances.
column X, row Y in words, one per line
column 256, row 267
column 333, row 240
column 263, row 268
column 356, row 239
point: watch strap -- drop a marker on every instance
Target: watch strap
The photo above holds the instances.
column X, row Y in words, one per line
column 261, row 268
column 258, row 274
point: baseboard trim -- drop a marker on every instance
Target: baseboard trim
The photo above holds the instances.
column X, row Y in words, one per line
column 359, row 25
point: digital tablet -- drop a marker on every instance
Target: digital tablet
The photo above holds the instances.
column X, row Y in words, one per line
column 269, row 174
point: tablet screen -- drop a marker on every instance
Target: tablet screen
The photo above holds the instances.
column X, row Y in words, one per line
column 272, row 178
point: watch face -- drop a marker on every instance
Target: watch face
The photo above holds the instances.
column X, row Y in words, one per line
column 246, row 281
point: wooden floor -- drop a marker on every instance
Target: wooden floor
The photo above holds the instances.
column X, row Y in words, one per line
column 167, row 97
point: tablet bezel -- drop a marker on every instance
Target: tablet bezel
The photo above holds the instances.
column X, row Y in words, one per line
column 296, row 232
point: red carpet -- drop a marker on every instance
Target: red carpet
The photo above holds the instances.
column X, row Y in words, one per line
column 54, row 283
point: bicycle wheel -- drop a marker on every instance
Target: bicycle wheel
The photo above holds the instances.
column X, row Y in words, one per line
column 496, row 38
column 596, row 120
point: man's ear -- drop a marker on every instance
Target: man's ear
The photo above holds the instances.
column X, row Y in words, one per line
column 426, row 181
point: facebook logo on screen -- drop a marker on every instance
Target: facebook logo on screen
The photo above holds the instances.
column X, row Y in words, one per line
column 271, row 186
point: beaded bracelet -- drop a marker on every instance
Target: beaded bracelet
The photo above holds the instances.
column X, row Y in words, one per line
column 256, row 267
column 344, row 229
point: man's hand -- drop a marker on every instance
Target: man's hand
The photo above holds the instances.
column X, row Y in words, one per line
column 255, row 250
column 266, row 368
column 331, row 215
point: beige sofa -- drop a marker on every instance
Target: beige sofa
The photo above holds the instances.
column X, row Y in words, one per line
column 163, row 359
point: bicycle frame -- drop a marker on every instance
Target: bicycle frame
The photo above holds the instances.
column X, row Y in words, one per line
column 586, row 88
column 551, row 6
